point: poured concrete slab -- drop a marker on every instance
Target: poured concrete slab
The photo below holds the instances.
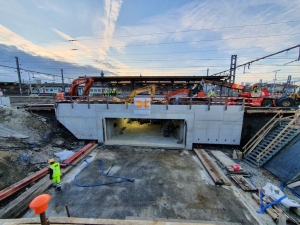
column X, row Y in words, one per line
column 168, row 184
column 136, row 134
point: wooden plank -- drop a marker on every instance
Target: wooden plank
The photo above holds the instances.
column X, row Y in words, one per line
column 228, row 162
column 269, row 210
column 279, row 210
column 22, row 183
column 224, row 159
column 20, row 204
column 254, row 141
column 209, row 169
column 295, row 184
column 212, row 168
column 96, row 221
column 282, row 134
column 243, row 183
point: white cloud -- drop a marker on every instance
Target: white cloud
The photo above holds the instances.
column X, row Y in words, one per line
column 112, row 9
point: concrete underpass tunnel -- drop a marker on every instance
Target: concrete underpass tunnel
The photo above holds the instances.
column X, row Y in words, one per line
column 166, row 133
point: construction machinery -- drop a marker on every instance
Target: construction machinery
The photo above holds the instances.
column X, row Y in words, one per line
column 131, row 96
column 291, row 100
column 255, row 95
column 197, row 93
column 150, row 89
column 87, row 81
column 184, row 92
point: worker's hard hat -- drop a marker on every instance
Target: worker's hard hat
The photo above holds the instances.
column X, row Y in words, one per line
column 51, row 161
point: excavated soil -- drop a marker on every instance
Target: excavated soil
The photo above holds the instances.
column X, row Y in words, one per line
column 28, row 140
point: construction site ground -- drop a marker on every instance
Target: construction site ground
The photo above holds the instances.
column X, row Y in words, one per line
column 168, row 184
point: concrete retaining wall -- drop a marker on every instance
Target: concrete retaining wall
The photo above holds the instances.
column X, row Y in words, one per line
column 214, row 126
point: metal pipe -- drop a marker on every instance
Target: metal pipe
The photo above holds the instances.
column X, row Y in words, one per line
column 44, row 220
column 67, row 209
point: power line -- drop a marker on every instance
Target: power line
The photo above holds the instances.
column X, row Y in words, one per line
column 32, row 71
column 182, row 42
column 248, row 63
column 175, row 32
column 185, row 52
column 30, row 62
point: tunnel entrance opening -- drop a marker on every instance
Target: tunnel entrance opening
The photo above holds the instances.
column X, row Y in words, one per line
column 154, row 133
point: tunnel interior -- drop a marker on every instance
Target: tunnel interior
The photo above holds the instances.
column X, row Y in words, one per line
column 166, row 133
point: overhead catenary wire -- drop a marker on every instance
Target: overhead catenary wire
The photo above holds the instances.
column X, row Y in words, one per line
column 255, row 60
column 174, row 32
column 32, row 71
column 181, row 42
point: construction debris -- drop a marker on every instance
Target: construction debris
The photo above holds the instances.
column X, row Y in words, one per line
column 20, row 204
column 212, row 168
column 229, row 164
column 243, row 183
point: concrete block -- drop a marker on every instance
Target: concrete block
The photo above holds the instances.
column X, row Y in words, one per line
column 5, row 101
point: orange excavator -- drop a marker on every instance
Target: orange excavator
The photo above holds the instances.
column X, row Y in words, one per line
column 87, row 81
column 197, row 90
column 184, row 92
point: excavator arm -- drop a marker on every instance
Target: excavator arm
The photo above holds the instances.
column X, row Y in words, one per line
column 181, row 92
column 225, row 84
column 74, row 88
column 151, row 89
column 81, row 80
column 87, row 87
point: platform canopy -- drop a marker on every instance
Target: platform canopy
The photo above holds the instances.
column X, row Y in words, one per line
column 168, row 80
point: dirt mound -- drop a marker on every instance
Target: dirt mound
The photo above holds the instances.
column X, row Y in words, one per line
column 27, row 141
column 23, row 122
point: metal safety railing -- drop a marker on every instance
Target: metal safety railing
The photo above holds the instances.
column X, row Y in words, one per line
column 225, row 101
column 259, row 136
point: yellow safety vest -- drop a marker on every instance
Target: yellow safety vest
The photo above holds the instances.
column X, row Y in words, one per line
column 56, row 169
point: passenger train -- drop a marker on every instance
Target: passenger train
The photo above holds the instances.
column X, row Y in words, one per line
column 51, row 91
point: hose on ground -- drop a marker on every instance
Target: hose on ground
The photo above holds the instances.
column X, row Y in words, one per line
column 121, row 179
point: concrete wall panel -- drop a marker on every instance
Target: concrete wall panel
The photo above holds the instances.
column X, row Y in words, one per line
column 214, row 126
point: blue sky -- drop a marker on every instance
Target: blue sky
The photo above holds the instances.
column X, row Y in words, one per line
column 148, row 37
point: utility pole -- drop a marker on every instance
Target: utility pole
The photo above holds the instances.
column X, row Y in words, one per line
column 62, row 79
column 19, row 75
column 232, row 70
column 274, row 80
column 206, row 83
column 30, row 91
column 288, row 83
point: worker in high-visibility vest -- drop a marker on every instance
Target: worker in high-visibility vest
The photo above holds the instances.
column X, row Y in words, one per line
column 239, row 93
column 212, row 93
column 54, row 170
